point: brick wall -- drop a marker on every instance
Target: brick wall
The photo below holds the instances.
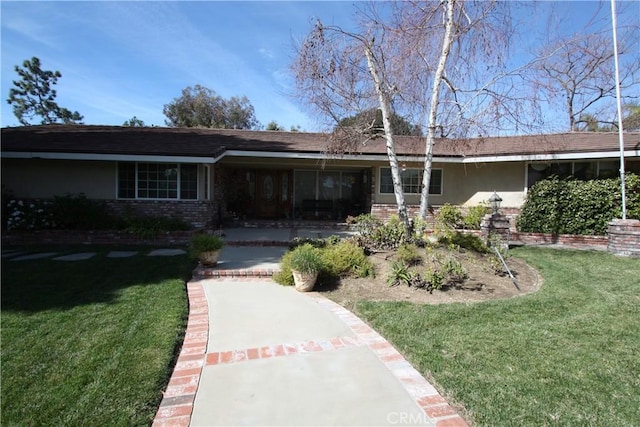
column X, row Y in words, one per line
column 569, row 240
column 198, row 214
column 624, row 237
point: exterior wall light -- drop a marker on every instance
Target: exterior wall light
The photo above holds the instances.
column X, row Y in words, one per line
column 495, row 200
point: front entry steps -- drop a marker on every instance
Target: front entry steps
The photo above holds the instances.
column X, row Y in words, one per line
column 255, row 250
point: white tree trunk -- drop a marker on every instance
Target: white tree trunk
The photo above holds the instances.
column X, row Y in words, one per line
column 385, row 107
column 433, row 109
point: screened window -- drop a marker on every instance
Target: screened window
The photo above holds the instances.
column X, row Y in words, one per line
column 157, row 181
column 411, row 181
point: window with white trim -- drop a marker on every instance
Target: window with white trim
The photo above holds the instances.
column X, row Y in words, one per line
column 176, row 181
column 411, row 181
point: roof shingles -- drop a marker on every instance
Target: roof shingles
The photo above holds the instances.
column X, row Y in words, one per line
column 212, row 142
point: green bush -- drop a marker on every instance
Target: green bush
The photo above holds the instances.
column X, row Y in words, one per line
column 346, row 258
column 466, row 241
column 568, row 206
column 378, row 235
column 149, row 227
column 474, row 216
column 77, row 212
column 284, row 276
column 449, row 217
column 407, row 253
column 455, row 270
column 399, row 274
column 434, row 278
column 338, row 259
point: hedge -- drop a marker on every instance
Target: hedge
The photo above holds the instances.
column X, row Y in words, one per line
column 570, row 206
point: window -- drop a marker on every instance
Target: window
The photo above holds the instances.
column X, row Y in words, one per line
column 583, row 170
column 157, row 181
column 411, row 181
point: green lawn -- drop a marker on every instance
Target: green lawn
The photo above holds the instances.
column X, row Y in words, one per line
column 566, row 355
column 89, row 342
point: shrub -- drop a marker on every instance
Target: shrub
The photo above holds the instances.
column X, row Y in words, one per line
column 33, row 215
column 407, row 253
column 455, row 270
column 577, row 207
column 76, row 212
column 313, row 241
column 463, row 240
column 306, row 259
column 336, row 259
column 474, row 216
column 434, row 278
column 150, row 227
column 449, row 217
column 399, row 274
column 378, row 235
column 345, row 257
column 284, row 276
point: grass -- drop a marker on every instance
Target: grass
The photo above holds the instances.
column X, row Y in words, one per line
column 566, row 355
column 89, row 342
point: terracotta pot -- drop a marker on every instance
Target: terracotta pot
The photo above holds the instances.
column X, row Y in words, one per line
column 304, row 282
column 209, row 259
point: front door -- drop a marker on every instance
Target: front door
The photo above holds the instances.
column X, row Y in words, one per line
column 268, row 184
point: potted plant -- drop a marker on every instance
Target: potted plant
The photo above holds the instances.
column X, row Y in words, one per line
column 306, row 262
column 206, row 248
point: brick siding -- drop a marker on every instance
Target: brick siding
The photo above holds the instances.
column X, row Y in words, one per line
column 198, row 214
column 624, row 237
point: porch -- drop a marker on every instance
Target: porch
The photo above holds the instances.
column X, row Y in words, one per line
column 293, row 194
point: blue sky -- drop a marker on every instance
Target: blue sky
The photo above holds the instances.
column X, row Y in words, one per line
column 125, row 59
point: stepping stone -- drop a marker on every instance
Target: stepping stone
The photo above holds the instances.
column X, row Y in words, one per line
column 8, row 254
column 34, row 256
column 76, row 257
column 121, row 254
column 166, row 252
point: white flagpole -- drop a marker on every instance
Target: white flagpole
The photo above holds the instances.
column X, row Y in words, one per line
column 620, row 130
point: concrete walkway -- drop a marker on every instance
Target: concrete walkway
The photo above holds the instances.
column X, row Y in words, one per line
column 260, row 354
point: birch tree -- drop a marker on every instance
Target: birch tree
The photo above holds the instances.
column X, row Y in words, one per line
column 457, row 74
column 443, row 63
column 339, row 73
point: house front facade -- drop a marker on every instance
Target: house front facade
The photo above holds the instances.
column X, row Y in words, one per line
column 209, row 176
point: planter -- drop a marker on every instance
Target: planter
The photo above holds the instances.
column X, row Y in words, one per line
column 209, row 258
column 304, row 282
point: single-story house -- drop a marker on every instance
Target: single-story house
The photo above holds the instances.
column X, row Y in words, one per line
column 208, row 175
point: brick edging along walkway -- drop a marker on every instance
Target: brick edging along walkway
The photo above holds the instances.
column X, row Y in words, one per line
column 177, row 404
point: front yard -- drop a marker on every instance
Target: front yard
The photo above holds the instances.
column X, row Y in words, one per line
column 565, row 355
column 92, row 342
column 89, row 342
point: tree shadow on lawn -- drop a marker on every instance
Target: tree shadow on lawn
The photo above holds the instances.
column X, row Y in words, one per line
column 45, row 284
